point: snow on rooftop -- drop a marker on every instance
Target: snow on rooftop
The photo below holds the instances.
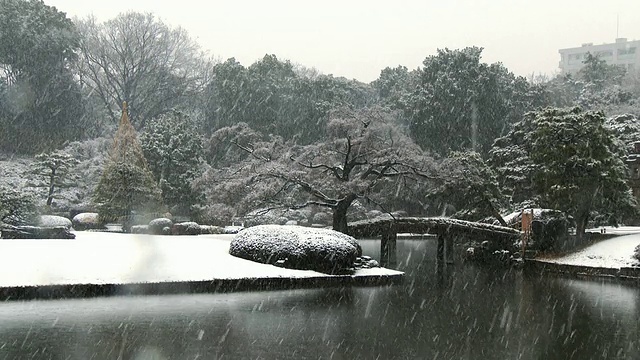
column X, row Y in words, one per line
column 612, row 253
column 112, row 258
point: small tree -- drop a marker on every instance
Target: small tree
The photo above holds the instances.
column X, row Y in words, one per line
column 127, row 183
column 52, row 171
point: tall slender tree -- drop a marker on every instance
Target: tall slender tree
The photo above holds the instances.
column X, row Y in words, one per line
column 126, row 184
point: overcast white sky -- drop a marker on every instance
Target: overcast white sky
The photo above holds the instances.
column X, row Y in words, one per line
column 358, row 38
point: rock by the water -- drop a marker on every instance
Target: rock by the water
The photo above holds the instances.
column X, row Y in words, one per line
column 366, row 262
column 87, row 221
column 156, row 225
column 36, row 232
column 297, row 247
column 186, row 228
column 48, row 221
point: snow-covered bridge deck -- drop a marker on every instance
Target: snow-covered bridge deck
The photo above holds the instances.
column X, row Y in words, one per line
column 446, row 229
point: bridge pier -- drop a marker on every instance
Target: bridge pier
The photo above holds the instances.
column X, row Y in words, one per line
column 388, row 248
column 448, row 248
column 444, row 252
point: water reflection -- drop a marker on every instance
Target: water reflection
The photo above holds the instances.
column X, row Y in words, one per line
column 465, row 313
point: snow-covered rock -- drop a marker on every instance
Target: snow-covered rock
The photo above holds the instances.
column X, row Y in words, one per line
column 54, row 221
column 297, row 247
column 86, row 221
column 37, row 232
column 157, row 226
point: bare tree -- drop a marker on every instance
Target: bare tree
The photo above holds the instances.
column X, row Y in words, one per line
column 365, row 156
column 139, row 59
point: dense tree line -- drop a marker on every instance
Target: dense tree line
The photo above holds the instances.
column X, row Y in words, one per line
column 454, row 136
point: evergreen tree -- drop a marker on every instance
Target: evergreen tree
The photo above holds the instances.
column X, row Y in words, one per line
column 127, row 184
column 566, row 159
column 175, row 155
column 52, row 171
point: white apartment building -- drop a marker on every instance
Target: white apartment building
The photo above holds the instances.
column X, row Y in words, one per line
column 622, row 52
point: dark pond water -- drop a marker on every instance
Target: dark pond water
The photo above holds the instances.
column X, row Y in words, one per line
column 466, row 313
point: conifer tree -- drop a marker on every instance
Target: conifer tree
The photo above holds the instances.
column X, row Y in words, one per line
column 53, row 172
column 126, row 184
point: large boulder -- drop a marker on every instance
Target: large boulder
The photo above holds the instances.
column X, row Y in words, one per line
column 159, row 226
column 87, row 221
column 297, row 247
column 49, row 221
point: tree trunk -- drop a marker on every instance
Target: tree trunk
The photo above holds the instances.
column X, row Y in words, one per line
column 340, row 214
column 581, row 225
column 52, row 178
column 496, row 213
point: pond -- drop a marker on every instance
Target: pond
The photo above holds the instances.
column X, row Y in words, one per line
column 466, row 312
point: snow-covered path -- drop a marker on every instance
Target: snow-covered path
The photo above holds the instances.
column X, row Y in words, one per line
column 613, row 253
column 112, row 258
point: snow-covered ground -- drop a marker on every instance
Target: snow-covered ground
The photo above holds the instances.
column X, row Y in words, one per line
column 621, row 230
column 613, row 253
column 112, row 258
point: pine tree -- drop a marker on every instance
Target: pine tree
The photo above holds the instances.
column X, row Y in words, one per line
column 53, row 173
column 126, row 184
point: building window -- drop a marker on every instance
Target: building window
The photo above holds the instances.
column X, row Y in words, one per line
column 627, row 51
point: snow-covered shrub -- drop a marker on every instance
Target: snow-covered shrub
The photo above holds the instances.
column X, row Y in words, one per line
column 323, row 218
column 211, row 229
column 17, row 207
column 263, row 217
column 297, row 247
column 213, row 214
column 156, row 225
column 636, row 253
column 186, row 228
column 357, row 211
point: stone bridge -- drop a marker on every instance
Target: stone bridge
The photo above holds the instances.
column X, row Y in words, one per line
column 446, row 230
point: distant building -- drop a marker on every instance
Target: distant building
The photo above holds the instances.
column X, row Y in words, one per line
column 622, row 52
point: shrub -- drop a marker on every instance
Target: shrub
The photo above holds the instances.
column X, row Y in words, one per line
column 297, row 247
column 17, row 207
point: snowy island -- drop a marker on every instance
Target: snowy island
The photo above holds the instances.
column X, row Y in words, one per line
column 98, row 263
